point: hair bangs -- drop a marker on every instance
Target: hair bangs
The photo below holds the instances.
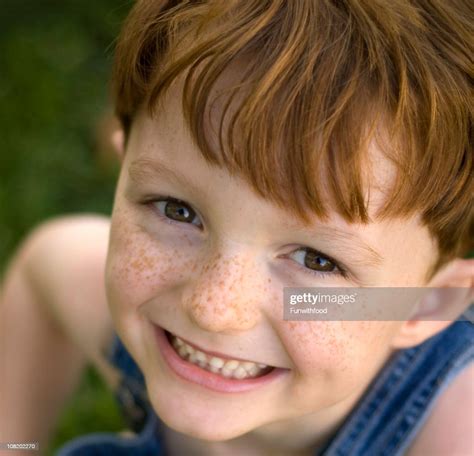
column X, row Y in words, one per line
column 312, row 83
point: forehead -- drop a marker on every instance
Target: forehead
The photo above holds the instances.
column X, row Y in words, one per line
column 165, row 135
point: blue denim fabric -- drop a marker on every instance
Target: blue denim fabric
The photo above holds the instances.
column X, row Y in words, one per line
column 384, row 422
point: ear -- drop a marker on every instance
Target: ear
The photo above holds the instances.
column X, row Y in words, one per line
column 117, row 139
column 449, row 293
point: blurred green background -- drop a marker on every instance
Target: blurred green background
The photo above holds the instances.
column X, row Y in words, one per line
column 55, row 61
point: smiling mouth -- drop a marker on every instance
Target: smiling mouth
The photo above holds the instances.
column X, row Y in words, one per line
column 226, row 367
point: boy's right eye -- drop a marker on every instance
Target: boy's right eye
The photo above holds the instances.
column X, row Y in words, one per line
column 176, row 210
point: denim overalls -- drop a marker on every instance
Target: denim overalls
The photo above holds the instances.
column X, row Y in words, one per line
column 384, row 422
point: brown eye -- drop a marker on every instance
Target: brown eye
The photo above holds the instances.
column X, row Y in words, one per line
column 316, row 261
column 313, row 260
column 178, row 211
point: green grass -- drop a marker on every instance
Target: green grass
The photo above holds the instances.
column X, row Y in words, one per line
column 55, row 61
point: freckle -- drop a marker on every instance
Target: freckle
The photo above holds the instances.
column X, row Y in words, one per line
column 136, row 264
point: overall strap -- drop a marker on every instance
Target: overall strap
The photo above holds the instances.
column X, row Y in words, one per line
column 131, row 393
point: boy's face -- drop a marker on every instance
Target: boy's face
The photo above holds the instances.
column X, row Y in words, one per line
column 212, row 270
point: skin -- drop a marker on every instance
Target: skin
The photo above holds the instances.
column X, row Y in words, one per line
column 218, row 283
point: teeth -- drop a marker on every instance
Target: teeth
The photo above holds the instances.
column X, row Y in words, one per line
column 226, row 372
column 216, row 362
column 240, row 372
column 232, row 365
column 252, row 370
column 247, row 366
column 226, row 368
column 200, row 356
column 182, row 351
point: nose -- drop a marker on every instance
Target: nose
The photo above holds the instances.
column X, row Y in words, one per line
column 225, row 297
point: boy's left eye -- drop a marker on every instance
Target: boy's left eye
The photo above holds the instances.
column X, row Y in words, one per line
column 315, row 261
column 177, row 210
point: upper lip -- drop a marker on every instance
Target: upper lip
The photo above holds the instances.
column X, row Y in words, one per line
column 216, row 353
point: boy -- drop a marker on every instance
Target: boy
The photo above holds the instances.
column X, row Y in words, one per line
column 265, row 144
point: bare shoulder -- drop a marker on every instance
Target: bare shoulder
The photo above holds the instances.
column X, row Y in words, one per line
column 68, row 256
column 448, row 429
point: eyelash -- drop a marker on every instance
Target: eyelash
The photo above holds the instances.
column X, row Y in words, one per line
column 339, row 271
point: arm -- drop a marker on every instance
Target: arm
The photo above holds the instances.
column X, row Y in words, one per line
column 46, row 335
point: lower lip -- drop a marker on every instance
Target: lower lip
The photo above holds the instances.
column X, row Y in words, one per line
column 193, row 373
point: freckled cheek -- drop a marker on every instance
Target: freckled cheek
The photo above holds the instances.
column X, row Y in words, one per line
column 138, row 268
column 315, row 346
column 334, row 351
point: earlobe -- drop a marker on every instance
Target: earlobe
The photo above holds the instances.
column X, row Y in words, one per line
column 447, row 296
column 118, row 141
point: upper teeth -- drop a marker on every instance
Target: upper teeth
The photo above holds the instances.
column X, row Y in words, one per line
column 227, row 368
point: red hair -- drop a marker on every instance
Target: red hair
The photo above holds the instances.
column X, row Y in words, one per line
column 319, row 78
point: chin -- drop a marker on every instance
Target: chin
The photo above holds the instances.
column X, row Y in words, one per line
column 196, row 420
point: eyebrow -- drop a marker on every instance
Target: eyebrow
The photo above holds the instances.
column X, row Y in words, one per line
column 370, row 256
column 153, row 169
